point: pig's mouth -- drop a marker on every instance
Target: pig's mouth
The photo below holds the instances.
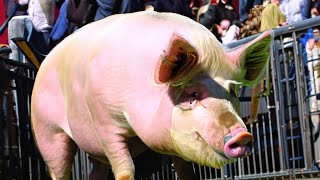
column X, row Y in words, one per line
column 238, row 143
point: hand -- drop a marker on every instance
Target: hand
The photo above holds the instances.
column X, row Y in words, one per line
column 283, row 23
column 314, row 12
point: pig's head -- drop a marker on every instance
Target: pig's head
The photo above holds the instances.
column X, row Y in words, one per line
column 203, row 83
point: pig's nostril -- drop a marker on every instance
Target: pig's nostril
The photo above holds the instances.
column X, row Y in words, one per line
column 234, row 145
column 241, row 143
column 238, row 144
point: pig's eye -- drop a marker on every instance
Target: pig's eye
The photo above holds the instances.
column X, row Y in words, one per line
column 194, row 97
column 192, row 101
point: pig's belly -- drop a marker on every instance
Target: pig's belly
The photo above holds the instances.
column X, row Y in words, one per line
column 83, row 132
column 86, row 139
column 80, row 124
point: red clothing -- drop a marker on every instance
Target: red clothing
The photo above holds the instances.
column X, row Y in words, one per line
column 4, row 36
column 235, row 4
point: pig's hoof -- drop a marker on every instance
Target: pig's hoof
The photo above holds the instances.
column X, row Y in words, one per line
column 125, row 176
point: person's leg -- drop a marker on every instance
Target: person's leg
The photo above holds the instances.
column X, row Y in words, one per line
column 245, row 6
column 39, row 41
column 243, row 15
column 256, row 2
column 16, row 28
column 128, row 6
column 105, row 8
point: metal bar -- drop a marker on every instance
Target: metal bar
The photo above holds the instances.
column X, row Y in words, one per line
column 205, row 172
column 223, row 174
column 277, row 98
column 284, row 125
column 229, row 169
column 217, row 173
column 240, row 167
column 266, row 175
column 259, row 147
column 289, row 101
column 200, row 171
column 210, row 173
column 271, row 134
column 265, row 144
column 302, row 91
column 298, row 26
column 248, row 164
column 168, row 173
column 253, row 153
column 163, row 170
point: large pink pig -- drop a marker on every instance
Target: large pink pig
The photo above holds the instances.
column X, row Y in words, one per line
column 160, row 77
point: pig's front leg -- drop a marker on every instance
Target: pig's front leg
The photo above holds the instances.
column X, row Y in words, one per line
column 116, row 149
column 112, row 138
column 109, row 122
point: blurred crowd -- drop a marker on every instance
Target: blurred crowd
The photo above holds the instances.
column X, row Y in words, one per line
column 228, row 20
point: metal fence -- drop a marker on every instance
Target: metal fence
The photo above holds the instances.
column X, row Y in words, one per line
column 19, row 158
column 287, row 142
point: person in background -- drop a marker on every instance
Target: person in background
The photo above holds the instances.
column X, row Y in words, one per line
column 272, row 17
column 42, row 15
column 214, row 13
column 315, row 8
column 231, row 32
column 245, row 6
column 176, row 6
column 110, row 7
column 7, row 8
column 34, row 27
column 294, row 10
column 252, row 25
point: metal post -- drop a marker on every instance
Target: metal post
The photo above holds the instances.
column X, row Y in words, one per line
column 275, row 82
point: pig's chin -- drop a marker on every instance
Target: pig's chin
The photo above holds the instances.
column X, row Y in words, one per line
column 192, row 147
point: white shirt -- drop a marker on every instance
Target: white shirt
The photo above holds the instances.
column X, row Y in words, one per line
column 293, row 10
column 42, row 17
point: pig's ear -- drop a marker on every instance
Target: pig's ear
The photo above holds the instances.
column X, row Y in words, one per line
column 251, row 59
column 176, row 60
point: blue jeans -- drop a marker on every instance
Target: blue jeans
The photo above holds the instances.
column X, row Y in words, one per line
column 109, row 7
column 245, row 6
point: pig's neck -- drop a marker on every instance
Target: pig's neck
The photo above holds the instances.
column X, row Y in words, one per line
column 152, row 123
column 162, row 140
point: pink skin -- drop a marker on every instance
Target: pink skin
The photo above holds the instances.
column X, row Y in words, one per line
column 237, row 145
column 223, row 27
column 114, row 94
column 310, row 44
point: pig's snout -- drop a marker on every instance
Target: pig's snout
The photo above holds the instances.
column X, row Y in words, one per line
column 238, row 143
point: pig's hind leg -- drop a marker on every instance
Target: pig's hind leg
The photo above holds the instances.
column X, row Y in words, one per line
column 57, row 150
column 55, row 146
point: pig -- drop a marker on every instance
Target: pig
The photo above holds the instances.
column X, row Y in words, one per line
column 143, row 80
